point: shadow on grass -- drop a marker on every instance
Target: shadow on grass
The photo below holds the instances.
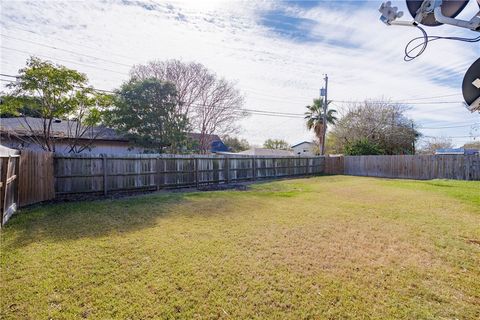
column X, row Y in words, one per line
column 103, row 217
column 82, row 219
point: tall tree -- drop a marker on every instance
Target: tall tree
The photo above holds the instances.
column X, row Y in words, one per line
column 317, row 122
column 49, row 92
column 84, row 123
column 16, row 106
column 472, row 145
column 235, row 144
column 145, row 111
column 382, row 123
column 212, row 105
column 432, row 144
column 276, row 144
column 362, row 147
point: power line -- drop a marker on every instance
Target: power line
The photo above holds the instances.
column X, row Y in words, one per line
column 193, row 105
column 447, row 127
column 65, row 50
column 11, row 81
column 249, row 111
column 405, row 102
column 280, row 99
column 448, row 122
column 64, row 60
column 427, row 98
column 74, row 43
column 451, row 137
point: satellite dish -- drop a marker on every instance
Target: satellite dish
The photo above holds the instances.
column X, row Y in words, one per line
column 450, row 9
column 471, row 85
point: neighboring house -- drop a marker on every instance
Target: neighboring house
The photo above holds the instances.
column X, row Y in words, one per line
column 267, row 152
column 212, row 140
column 304, row 148
column 15, row 133
column 457, row 151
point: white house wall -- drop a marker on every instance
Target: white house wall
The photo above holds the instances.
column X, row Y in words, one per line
column 304, row 149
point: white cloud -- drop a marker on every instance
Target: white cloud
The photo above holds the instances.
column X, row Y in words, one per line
column 275, row 73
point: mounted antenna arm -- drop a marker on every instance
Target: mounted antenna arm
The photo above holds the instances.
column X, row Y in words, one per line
column 430, row 13
column 473, row 24
column 390, row 14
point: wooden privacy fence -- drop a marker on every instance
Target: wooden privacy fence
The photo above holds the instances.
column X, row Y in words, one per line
column 26, row 178
column 334, row 165
column 9, row 165
column 103, row 174
column 422, row 167
column 36, row 177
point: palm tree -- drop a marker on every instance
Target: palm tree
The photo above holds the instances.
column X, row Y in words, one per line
column 314, row 117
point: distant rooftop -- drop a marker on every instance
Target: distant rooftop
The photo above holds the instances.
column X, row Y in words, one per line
column 20, row 126
column 460, row 151
column 307, row 142
column 60, row 129
column 267, row 152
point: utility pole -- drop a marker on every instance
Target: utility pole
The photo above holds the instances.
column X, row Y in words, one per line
column 325, row 102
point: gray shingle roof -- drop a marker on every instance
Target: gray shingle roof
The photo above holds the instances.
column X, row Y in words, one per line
column 21, row 126
column 60, row 129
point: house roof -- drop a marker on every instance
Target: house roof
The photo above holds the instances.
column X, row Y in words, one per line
column 307, row 142
column 267, row 152
column 457, row 151
column 20, row 126
column 5, row 151
column 60, row 129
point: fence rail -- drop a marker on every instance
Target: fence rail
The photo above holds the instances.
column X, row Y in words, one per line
column 103, row 174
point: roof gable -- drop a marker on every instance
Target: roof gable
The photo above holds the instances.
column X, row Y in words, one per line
column 303, row 142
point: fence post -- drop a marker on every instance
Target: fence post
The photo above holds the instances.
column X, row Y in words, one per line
column 254, row 168
column 157, row 173
column 104, row 158
column 308, row 166
column 5, row 170
column 17, row 182
column 275, row 167
column 3, row 181
column 195, row 166
column 227, row 168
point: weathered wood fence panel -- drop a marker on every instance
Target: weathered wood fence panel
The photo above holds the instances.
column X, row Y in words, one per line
column 334, row 165
column 421, row 167
column 26, row 178
column 103, row 174
column 36, row 181
column 9, row 165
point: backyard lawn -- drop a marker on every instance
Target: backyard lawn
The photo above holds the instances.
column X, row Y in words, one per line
column 331, row 247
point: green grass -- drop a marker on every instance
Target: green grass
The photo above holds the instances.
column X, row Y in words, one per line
column 332, row 247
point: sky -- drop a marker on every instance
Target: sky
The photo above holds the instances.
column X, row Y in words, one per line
column 276, row 52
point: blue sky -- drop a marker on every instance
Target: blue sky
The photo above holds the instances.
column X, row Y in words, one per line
column 277, row 52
